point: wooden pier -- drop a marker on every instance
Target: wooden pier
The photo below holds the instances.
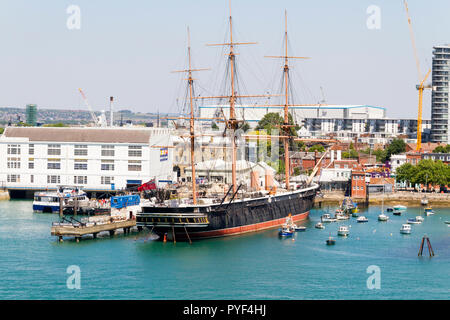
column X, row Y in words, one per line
column 80, row 230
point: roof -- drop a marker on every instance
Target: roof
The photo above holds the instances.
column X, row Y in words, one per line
column 426, row 147
column 102, row 135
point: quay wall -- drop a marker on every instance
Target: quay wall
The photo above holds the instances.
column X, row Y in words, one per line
column 399, row 197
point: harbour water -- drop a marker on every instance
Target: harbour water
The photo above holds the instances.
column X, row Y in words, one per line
column 33, row 265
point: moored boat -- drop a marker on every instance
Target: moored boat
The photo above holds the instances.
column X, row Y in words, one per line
column 405, row 229
column 362, row 219
column 319, row 225
column 343, row 231
column 326, row 218
column 330, row 241
column 400, row 207
column 383, row 217
column 67, row 196
column 428, row 211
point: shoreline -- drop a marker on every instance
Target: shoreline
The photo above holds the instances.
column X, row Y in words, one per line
column 400, row 197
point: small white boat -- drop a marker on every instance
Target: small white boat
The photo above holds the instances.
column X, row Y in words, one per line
column 319, row 225
column 362, row 219
column 405, row 229
column 419, row 218
column 414, row 221
column 400, row 208
column 342, row 216
column 424, row 201
column 343, row 231
column 299, row 228
column 383, row 217
column 429, row 211
column 326, row 218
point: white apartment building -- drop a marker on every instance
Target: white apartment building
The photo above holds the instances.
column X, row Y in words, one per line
column 96, row 159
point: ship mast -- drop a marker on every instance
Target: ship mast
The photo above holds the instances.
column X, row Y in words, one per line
column 191, row 118
column 286, row 126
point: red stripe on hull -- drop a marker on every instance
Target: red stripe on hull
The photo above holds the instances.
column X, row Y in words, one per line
column 248, row 228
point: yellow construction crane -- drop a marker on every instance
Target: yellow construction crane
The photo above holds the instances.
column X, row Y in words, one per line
column 422, row 80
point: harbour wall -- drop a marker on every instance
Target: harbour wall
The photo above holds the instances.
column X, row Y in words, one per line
column 400, row 197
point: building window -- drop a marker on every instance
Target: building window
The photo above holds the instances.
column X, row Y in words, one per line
column 80, row 179
column 134, row 165
column 13, row 149
column 13, row 163
column 53, row 179
column 107, row 180
column 31, row 178
column 80, row 164
column 107, row 165
column 53, row 164
column 107, row 151
column 31, row 149
column 13, row 178
column 54, row 150
column 31, row 163
column 81, row 150
column 135, row 151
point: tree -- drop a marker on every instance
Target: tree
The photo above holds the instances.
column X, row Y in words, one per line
column 274, row 120
column 56, row 125
column 352, row 154
column 316, row 147
column 406, row 173
column 395, row 147
column 245, row 126
column 442, row 149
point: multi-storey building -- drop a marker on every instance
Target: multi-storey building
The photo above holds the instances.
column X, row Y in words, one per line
column 96, row 159
column 440, row 131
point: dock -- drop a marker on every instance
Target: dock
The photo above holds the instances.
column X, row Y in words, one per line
column 77, row 229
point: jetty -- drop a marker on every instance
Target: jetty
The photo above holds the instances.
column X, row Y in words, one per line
column 75, row 228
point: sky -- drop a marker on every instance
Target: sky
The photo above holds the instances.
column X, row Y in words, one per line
column 127, row 49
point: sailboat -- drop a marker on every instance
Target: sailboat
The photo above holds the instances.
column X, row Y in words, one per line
column 382, row 216
column 231, row 214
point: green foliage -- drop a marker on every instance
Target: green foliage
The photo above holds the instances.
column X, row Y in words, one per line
column 425, row 172
column 352, row 154
column 297, row 171
column 395, row 147
column 316, row 147
column 2, row 130
column 273, row 120
column 442, row 149
column 214, row 126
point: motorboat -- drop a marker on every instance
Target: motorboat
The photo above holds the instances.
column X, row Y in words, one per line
column 383, row 217
column 428, row 211
column 405, row 229
column 390, row 209
column 397, row 213
column 342, row 216
column 286, row 231
column 447, row 222
column 69, row 197
column 424, row 201
column 362, row 219
column 413, row 221
column 299, row 228
column 400, row 207
column 330, row 241
column 319, row 225
column 343, row 231
column 326, row 218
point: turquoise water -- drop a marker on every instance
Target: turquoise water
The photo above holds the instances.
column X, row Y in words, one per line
column 258, row 266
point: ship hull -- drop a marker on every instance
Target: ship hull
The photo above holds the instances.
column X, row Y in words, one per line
column 230, row 219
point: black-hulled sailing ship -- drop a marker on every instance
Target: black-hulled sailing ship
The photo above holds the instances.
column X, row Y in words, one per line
column 231, row 214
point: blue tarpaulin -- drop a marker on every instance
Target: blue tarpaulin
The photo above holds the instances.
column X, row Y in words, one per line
column 124, row 201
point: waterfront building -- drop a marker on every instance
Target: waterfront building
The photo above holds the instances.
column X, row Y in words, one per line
column 444, row 157
column 95, row 159
column 368, row 124
column 358, row 187
column 440, row 104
